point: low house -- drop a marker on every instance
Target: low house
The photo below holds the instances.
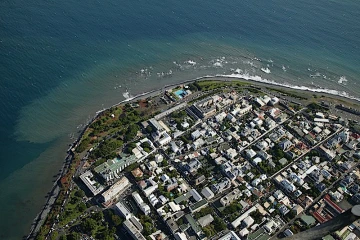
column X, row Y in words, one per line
column 207, row 193
column 250, row 153
column 205, row 220
column 221, row 186
column 286, row 145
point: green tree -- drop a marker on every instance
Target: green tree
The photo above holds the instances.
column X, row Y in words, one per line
column 256, row 215
column 80, row 193
column 208, row 232
column 148, row 228
column 89, row 225
column 73, row 236
column 82, row 207
column 145, row 145
column 203, row 212
column 150, row 129
column 83, row 145
column 107, row 147
column 98, row 216
column 164, row 163
column 219, row 224
column 40, row 237
column 131, row 132
column 74, row 200
column 192, row 87
column 116, row 220
column 232, row 208
column 63, row 237
column 107, row 234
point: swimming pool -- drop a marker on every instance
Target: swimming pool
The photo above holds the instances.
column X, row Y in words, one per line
column 180, row 93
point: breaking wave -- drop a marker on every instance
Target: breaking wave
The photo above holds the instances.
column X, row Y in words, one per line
column 127, row 95
column 272, row 82
column 342, row 80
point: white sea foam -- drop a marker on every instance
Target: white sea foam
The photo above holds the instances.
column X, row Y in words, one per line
column 218, row 64
column 165, row 74
column 264, row 80
column 238, row 71
column 127, row 95
column 191, row 62
column 251, row 63
column 266, row 70
column 342, row 80
column 179, row 65
column 317, row 74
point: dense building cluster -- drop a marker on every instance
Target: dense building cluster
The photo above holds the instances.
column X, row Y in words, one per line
column 232, row 166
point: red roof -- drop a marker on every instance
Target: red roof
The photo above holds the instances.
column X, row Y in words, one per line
column 332, row 204
column 355, row 135
column 318, row 217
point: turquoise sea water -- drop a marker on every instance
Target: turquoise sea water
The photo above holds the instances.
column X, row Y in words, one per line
column 61, row 61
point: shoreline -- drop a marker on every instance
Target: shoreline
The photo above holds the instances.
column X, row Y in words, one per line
column 42, row 215
column 229, row 78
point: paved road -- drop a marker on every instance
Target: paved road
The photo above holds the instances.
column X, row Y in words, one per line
column 307, row 151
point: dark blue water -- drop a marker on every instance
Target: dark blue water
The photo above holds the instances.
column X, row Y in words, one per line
column 60, row 61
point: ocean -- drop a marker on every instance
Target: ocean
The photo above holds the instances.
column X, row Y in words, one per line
column 61, row 61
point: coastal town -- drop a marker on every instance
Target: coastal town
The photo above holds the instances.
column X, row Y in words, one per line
column 211, row 160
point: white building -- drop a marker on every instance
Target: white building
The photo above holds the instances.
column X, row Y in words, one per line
column 205, row 220
column 257, row 160
column 231, row 153
column 238, row 221
column 288, row 186
column 244, row 110
column 180, row 236
column 244, row 232
column 133, row 231
column 195, row 135
column 164, row 139
column 195, row 195
column 220, row 117
column 123, row 211
column 230, row 197
column 140, row 203
column 250, row 153
column 248, row 221
column 207, row 193
column 270, row 226
column 159, row 158
column 115, row 189
column 230, row 236
column 150, row 189
column 93, row 186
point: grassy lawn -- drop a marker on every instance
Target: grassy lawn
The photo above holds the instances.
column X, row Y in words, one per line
column 290, row 93
column 71, row 210
column 213, row 84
